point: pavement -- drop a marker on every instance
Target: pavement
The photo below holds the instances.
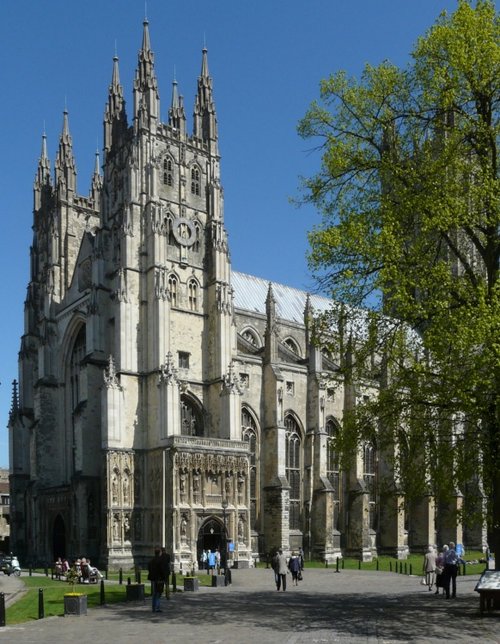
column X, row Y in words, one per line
column 350, row 607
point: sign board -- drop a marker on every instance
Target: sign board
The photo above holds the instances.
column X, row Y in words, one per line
column 489, row 580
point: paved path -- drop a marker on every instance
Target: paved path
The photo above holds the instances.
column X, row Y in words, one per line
column 349, row 607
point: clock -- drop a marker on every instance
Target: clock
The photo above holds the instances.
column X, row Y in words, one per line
column 184, row 231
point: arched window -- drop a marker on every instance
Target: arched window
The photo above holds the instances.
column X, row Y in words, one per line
column 168, row 172
column 369, row 478
column 193, row 295
column 292, row 469
column 75, row 366
column 333, row 469
column 168, row 230
column 249, row 434
column 197, row 236
column 172, row 289
column 191, row 418
column 292, row 345
column 251, row 336
column 195, row 181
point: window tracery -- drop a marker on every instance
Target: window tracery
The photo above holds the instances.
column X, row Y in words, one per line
column 292, row 468
column 195, row 181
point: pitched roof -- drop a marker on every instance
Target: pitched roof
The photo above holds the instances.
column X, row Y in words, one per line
column 250, row 294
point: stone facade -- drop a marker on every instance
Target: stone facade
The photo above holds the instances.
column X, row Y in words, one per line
column 164, row 398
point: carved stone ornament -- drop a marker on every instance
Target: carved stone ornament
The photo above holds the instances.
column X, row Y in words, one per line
column 110, row 378
column 168, row 373
column 231, row 381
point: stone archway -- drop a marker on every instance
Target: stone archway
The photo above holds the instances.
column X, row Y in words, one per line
column 211, row 536
column 58, row 538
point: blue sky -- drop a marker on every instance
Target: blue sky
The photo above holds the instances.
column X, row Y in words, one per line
column 266, row 58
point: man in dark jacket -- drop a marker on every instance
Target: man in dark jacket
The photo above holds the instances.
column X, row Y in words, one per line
column 155, row 576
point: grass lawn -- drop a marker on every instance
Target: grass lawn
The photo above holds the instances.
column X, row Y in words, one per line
column 26, row 608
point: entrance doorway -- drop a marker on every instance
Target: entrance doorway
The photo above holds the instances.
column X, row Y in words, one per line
column 211, row 536
column 58, row 538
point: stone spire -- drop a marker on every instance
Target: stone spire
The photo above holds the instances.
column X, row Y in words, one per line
column 176, row 113
column 65, row 169
column 95, row 190
column 271, row 347
column 146, row 98
column 115, row 117
column 43, row 181
column 14, row 407
column 205, row 120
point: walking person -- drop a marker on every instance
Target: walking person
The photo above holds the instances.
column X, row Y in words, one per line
column 451, row 571
column 429, row 567
column 212, row 560
column 440, row 571
column 281, row 570
column 155, row 576
column 294, row 568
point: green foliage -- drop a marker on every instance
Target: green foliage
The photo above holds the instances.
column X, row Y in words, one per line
column 409, row 192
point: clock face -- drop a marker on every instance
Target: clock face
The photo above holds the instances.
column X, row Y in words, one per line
column 184, row 231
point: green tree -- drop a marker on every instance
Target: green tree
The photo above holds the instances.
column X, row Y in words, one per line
column 409, row 192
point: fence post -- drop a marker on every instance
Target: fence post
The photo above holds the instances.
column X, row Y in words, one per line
column 390, row 566
column 41, row 612
column 102, row 597
column 337, row 566
column 411, row 569
column 120, row 576
column 2, row 609
column 376, row 564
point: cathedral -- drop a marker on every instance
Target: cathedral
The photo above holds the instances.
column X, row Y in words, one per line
column 163, row 398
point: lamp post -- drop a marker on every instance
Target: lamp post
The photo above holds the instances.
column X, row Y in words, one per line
column 224, row 554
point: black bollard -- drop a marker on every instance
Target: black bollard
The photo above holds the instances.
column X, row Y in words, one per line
column 267, row 561
column 106, row 574
column 129, row 581
column 326, row 563
column 463, row 569
column 337, row 565
column 102, row 597
column 229, row 577
column 400, row 567
column 174, row 582
column 376, row 565
column 2, row 609
column 46, row 571
column 359, row 564
column 41, row 612
column 405, row 568
column 30, row 571
column 411, row 569
column 390, row 566
column 120, row 576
